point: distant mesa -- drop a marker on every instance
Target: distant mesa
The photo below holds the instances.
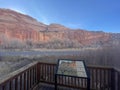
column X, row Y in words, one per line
column 14, row 25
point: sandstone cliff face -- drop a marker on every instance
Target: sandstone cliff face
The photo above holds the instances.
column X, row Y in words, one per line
column 23, row 27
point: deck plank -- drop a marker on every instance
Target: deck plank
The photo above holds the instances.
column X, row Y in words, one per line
column 43, row 86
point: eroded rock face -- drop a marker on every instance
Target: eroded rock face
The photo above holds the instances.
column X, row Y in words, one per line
column 16, row 25
column 24, row 27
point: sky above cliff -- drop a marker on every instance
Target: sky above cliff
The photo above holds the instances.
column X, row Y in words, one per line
column 93, row 15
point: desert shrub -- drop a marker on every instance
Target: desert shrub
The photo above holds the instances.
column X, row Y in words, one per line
column 59, row 44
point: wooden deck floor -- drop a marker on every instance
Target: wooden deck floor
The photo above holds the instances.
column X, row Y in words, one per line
column 43, row 86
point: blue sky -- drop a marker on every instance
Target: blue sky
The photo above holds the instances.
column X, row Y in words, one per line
column 93, row 15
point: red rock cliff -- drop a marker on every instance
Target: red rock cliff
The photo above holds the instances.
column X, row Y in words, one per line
column 24, row 27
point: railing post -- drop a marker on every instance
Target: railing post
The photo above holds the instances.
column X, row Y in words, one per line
column 55, row 82
column 118, row 80
column 25, row 81
column 10, row 84
column 38, row 73
column 88, row 84
column 113, row 79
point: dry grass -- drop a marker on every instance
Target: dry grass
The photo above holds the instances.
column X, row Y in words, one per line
column 99, row 57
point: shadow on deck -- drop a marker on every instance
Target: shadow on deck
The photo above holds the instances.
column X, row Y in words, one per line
column 43, row 86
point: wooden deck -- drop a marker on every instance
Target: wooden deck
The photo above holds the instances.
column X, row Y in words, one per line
column 26, row 78
column 43, row 86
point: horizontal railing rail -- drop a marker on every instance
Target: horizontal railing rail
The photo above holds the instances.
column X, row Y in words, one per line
column 101, row 78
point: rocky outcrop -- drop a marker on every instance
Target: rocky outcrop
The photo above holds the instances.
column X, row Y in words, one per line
column 24, row 27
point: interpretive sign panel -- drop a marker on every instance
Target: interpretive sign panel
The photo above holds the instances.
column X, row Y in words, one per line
column 72, row 68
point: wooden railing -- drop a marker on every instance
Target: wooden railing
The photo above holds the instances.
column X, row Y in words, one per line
column 101, row 78
column 47, row 72
column 24, row 79
column 115, row 79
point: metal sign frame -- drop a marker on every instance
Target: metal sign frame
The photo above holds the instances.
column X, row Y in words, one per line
column 71, row 62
